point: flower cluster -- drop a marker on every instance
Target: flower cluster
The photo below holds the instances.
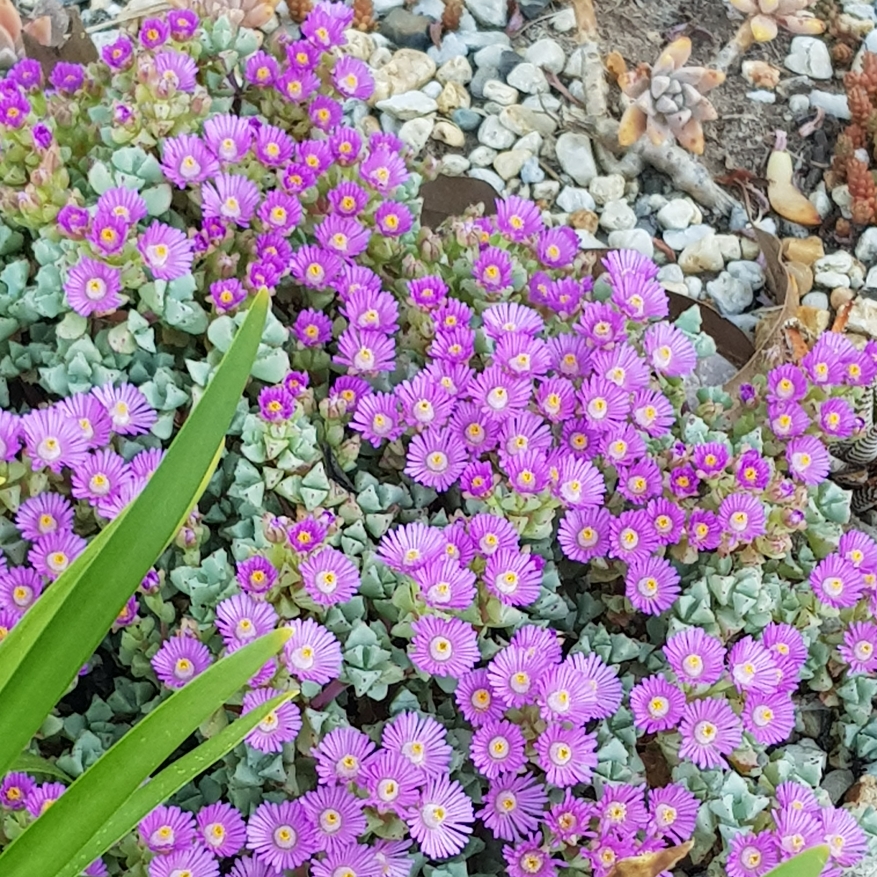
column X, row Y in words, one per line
column 799, row 822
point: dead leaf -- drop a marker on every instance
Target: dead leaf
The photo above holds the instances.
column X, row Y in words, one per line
column 731, row 342
column 516, row 22
column 435, row 33
column 586, row 21
column 615, row 65
column 77, row 48
column 453, row 196
column 843, row 317
column 651, row 864
column 785, row 293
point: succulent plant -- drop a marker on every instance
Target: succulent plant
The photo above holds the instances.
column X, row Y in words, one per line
column 242, row 13
column 668, row 99
column 766, row 17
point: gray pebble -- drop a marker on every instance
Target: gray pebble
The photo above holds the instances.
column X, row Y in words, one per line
column 750, row 273
column 488, row 176
column 731, row 296
column 453, row 46
column 633, row 239
column 482, row 75
column 466, row 119
column 679, row 239
column 572, row 199
column 816, row 300
column 532, row 172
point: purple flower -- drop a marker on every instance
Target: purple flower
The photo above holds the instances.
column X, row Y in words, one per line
column 228, row 137
column 43, row 514
column 316, row 155
column 108, row 234
column 378, row 418
column 67, row 78
column 604, row 404
column 670, row 351
column 858, row 649
column 325, row 113
column 20, row 587
column 256, row 576
column 421, row 740
column 52, row 554
column 507, row 318
column 92, row 287
column 427, row 292
column 14, row 110
column 273, row 146
column 176, row 72
column 557, row 247
column 530, row 858
column 297, row 86
column 183, row 23
column 742, row 517
column 325, row 25
column 622, row 446
column 476, row 700
column 123, row 203
column 221, row 828
column 280, row 212
column 622, row 810
column 153, row 33
column 261, row 70
column 241, row 619
column 535, row 640
column 227, row 294
column 230, row 197
column 847, row 843
column 187, row 161
column 280, row 836
column 166, row 251
column 346, row 145
column 73, row 220
column 632, row 537
column 567, row 755
column 751, row 855
column 795, row 831
column 585, row 534
column 837, row 419
column 787, row 419
column 527, row 472
column 710, row 730
column 498, row 395
column 651, row 584
column 43, row 797
column 786, row 383
column 570, row 819
column 710, row 459
column 673, row 812
column 492, row 270
column 341, row 755
column 652, row 412
column 15, row 790
column 342, row 236
column 27, row 73
column 442, row 820
column 751, row 666
column 329, row 577
column 392, row 781
column 518, row 218
column 436, row 459
column 366, row 352
column 118, row 55
column 497, row 748
column 352, row 78
column 53, row 440
column 769, row 716
column 836, row 582
column 444, row 646
column 563, row 695
column 393, row 220
column 312, row 328
column 383, row 170
column 656, row 704
column 278, row 727
column 703, row 530
column 825, row 361
column 808, row 460
column 167, row 828
column 312, row 653
column 127, row 407
column 513, row 806
column 695, row 657
column 180, row 660
column 42, row 136
column 314, row 266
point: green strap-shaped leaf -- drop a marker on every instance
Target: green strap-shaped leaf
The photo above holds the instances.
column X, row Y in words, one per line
column 43, row 653
column 30, row 763
column 170, row 780
column 52, row 841
column 807, row 864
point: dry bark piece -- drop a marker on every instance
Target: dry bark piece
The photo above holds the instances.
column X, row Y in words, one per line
column 453, row 196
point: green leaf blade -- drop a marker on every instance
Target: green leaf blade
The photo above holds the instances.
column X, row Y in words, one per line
column 42, row 654
column 810, row 863
column 92, row 801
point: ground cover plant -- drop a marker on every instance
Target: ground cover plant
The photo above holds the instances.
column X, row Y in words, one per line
column 547, row 609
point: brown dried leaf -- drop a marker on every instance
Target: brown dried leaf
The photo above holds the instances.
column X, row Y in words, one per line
column 632, row 126
column 731, row 341
column 785, row 293
column 615, row 65
column 453, row 196
column 651, row 864
column 40, row 29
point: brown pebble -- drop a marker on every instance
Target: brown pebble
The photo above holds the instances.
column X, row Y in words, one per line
column 841, row 296
column 802, row 275
column 584, row 219
column 804, row 250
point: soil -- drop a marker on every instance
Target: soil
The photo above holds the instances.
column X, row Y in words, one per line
column 744, row 133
